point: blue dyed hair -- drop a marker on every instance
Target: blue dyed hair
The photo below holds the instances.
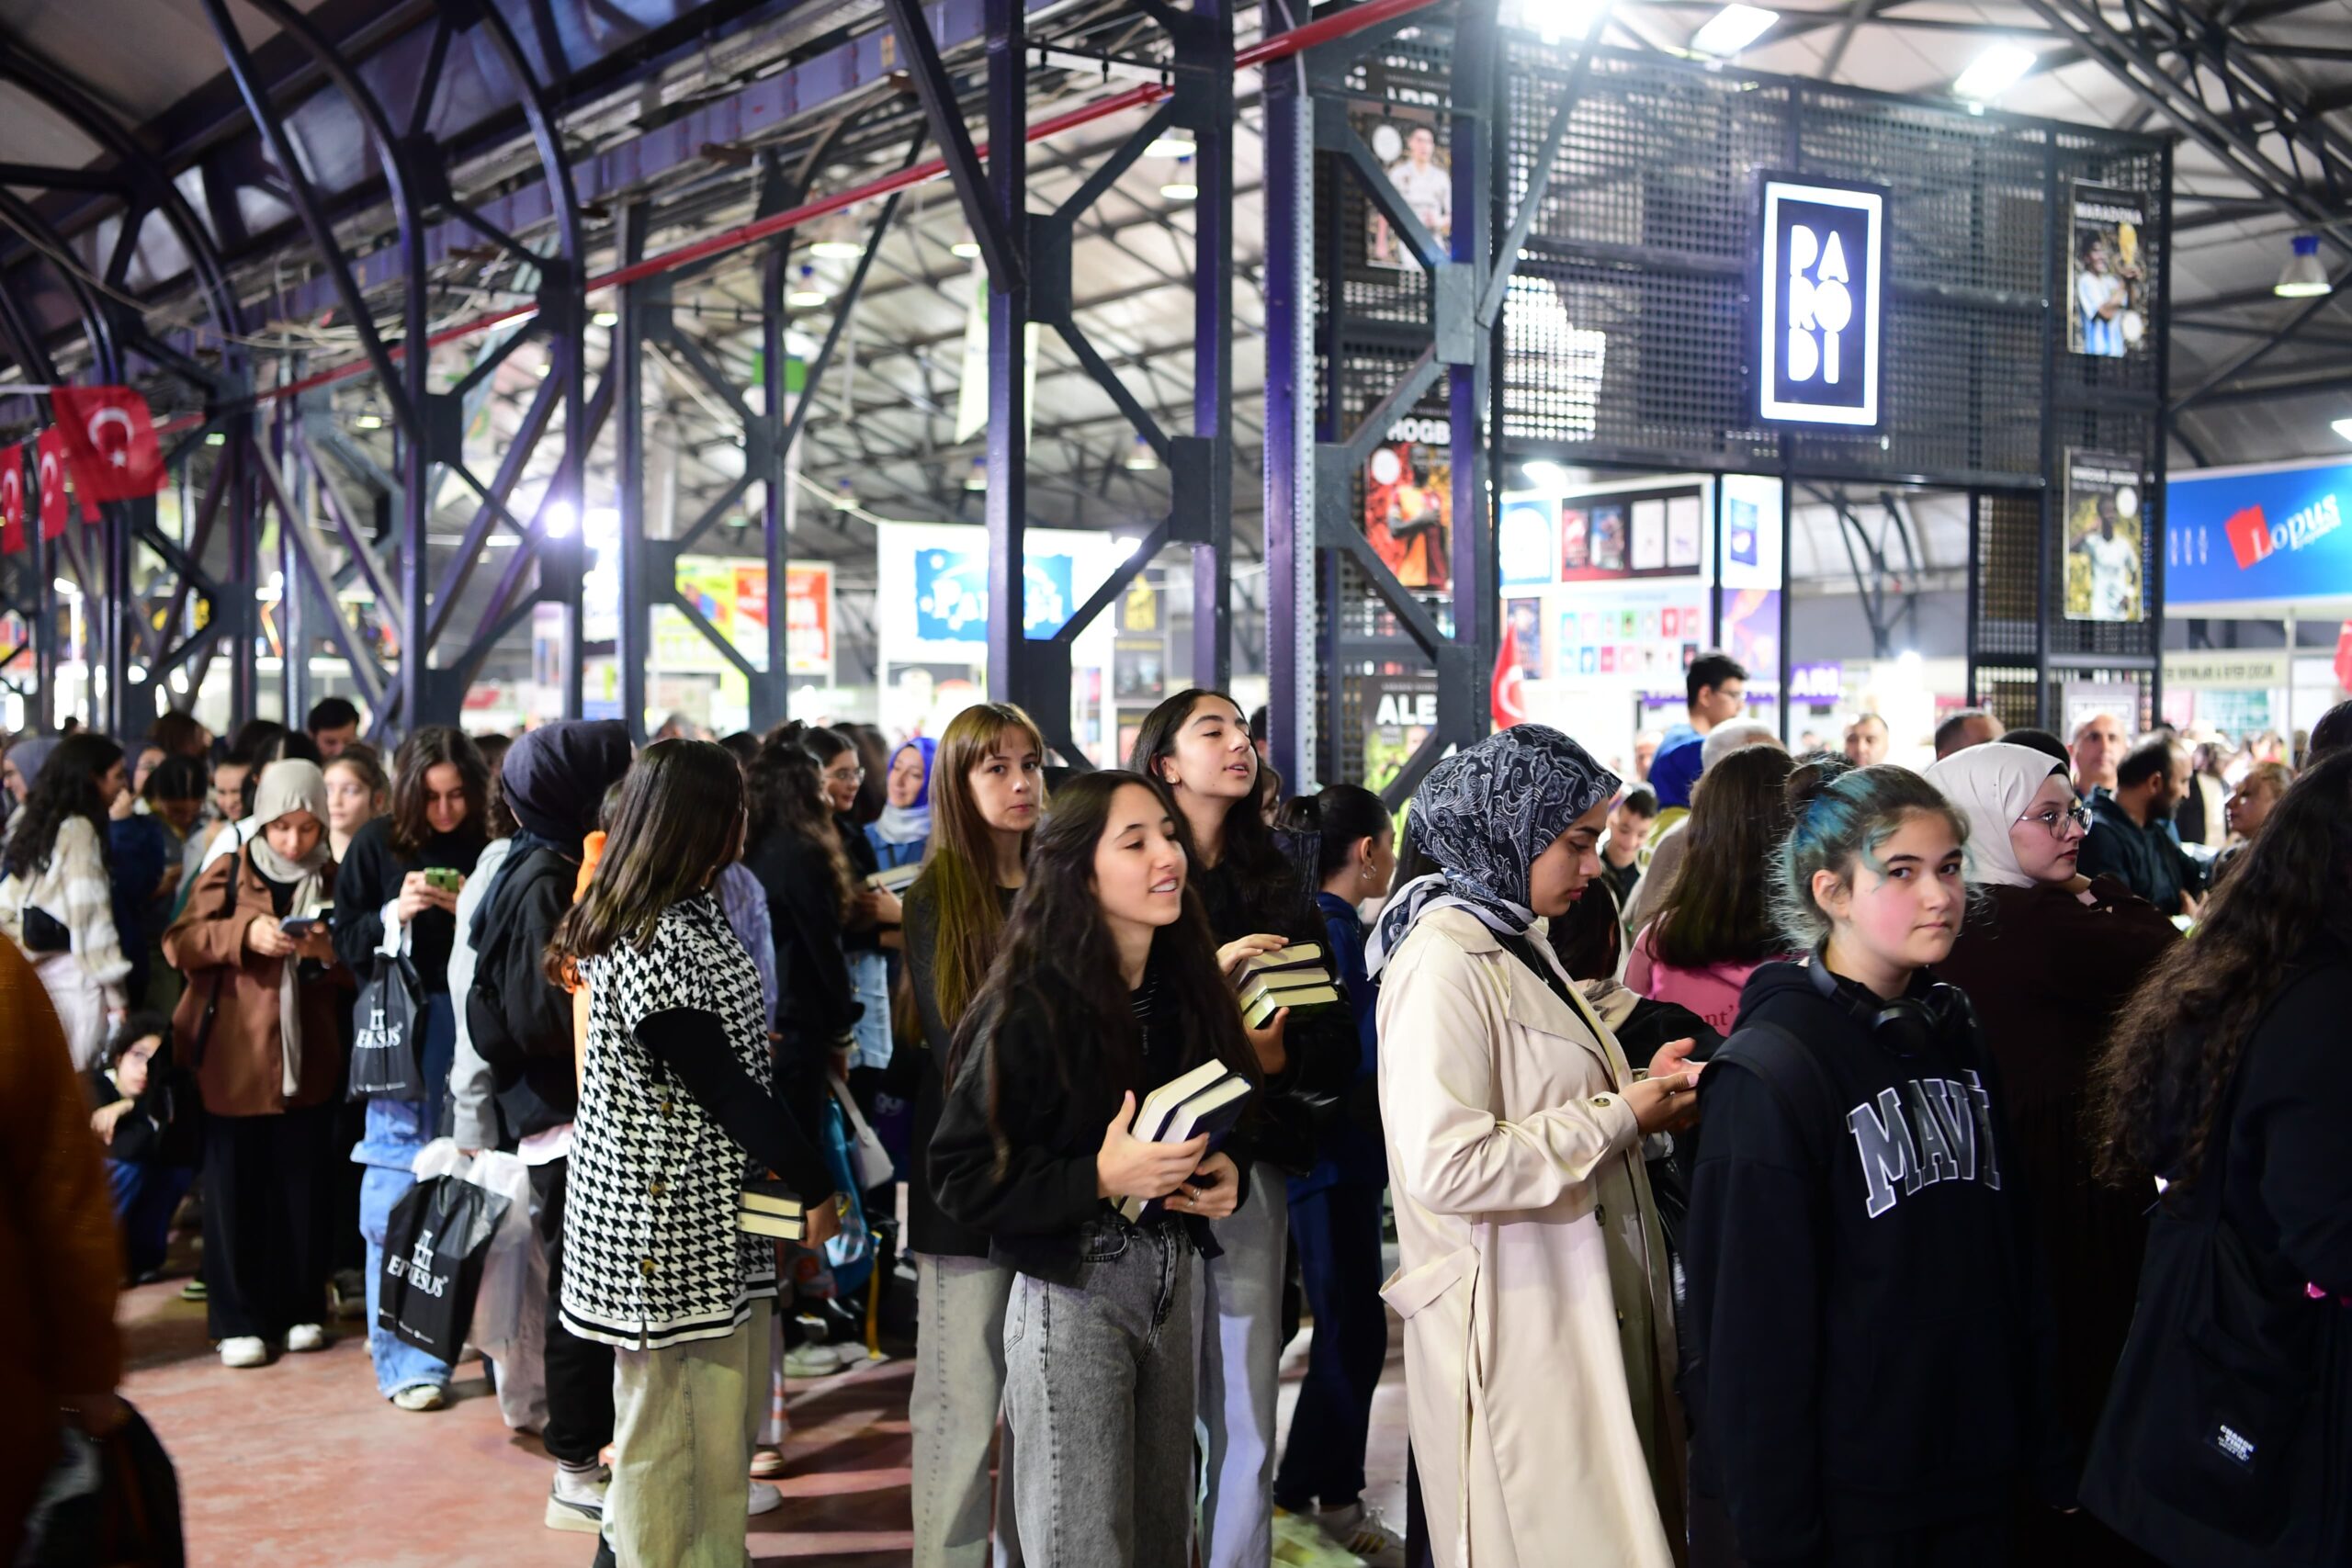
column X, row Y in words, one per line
column 1842, row 815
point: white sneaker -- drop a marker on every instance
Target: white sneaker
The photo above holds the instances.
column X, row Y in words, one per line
column 306, row 1336
column 420, row 1396
column 244, row 1350
column 811, row 1361
column 576, row 1501
column 764, row 1499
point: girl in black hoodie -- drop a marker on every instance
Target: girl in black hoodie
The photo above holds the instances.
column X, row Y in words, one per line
column 1870, row 1365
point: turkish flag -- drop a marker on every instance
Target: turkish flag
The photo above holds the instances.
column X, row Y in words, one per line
column 51, row 469
column 1507, row 695
column 110, row 438
column 12, row 499
column 2343, row 656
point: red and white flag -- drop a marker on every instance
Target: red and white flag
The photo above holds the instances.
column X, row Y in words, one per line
column 1507, row 692
column 51, row 467
column 110, row 438
column 12, row 499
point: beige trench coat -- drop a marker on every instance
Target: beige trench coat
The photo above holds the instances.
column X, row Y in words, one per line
column 1539, row 1328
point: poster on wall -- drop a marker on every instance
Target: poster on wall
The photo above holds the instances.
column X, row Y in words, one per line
column 1752, row 636
column 2249, row 535
column 2103, row 314
column 1423, row 176
column 1653, row 533
column 809, row 620
column 1400, row 711
column 1523, row 625
column 931, row 591
column 1409, row 500
column 1823, row 249
column 2103, row 537
column 1523, row 540
column 1641, row 635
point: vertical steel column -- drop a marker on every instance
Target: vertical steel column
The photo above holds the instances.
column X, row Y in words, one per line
column 45, row 603
column 771, row 698
column 1008, row 458
column 1290, row 407
column 1213, row 355
column 1474, row 146
column 244, row 503
column 634, row 649
column 301, row 485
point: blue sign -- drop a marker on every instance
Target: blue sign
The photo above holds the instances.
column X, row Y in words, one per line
column 2274, row 534
column 952, row 595
column 1524, row 541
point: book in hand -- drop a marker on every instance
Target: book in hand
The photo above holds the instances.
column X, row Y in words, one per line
column 1212, row 1107
column 1152, row 1116
column 1258, row 1004
column 770, row 1208
column 897, row 878
column 1297, row 955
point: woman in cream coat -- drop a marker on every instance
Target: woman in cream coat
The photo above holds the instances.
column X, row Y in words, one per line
column 1539, row 1331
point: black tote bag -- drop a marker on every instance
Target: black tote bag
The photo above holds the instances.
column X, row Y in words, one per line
column 434, row 1246
column 384, row 1045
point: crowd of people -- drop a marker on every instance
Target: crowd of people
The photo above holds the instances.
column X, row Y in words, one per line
column 1792, row 1158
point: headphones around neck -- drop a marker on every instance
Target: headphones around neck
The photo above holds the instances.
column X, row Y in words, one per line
column 1907, row 1024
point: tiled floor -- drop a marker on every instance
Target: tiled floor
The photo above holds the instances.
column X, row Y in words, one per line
column 300, row 1464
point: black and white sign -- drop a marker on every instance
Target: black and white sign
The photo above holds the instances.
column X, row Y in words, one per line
column 1825, row 248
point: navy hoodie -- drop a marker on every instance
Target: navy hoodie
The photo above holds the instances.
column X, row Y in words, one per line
column 1869, row 1335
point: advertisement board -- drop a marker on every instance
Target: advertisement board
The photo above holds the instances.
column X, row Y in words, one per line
column 2103, row 531
column 1817, row 333
column 2248, row 537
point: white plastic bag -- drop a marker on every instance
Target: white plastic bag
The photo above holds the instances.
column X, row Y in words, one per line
column 510, row 1312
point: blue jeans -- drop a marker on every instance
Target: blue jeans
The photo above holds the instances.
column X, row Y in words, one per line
column 1338, row 1233
column 869, row 976
column 396, row 1130
column 146, row 1195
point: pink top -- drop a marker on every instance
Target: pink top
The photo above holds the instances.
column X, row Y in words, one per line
column 1712, row 993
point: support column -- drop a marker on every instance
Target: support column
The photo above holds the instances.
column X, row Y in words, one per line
column 1213, row 353
column 1474, row 147
column 771, row 698
column 1008, row 456
column 1290, row 409
column 634, row 650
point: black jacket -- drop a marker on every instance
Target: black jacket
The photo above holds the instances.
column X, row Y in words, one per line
column 1871, row 1347
column 815, row 1006
column 2227, row 1440
column 1032, row 1202
column 920, row 1067
column 370, row 876
column 520, row 1022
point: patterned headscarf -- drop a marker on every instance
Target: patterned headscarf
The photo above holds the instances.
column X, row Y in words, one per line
column 1484, row 815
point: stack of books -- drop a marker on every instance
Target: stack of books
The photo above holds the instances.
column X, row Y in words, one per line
column 1206, row 1099
column 1291, row 977
column 897, row 878
column 770, row 1208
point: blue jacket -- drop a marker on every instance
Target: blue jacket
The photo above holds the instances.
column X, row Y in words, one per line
column 1350, row 1151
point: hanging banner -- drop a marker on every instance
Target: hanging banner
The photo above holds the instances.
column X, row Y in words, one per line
column 1409, row 498
column 1423, row 175
column 2246, row 536
column 2103, row 537
column 1817, row 338
column 51, row 467
column 809, row 620
column 12, row 499
column 110, row 441
column 2103, row 314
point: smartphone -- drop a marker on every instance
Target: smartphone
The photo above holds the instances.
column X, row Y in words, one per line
column 444, row 878
column 300, row 926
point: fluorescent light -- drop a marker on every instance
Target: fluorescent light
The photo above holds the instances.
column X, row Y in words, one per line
column 559, row 520
column 138, row 677
column 1545, row 476
column 370, row 422
column 837, row 249
column 1171, row 144
column 2304, row 277
column 70, row 590
column 1556, row 21
column 978, row 478
column 1994, row 71
column 1129, row 543
column 1141, row 458
column 807, row 298
column 1733, row 28
column 500, row 542
column 215, row 439
column 968, row 249
column 607, row 318
column 846, row 497
column 1180, row 190
column 2343, row 427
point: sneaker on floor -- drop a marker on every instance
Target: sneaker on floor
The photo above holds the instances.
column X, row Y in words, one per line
column 576, row 1501
column 420, row 1396
column 193, row 1290
column 1299, row 1544
column 764, row 1499
column 1362, row 1531
column 306, row 1336
column 810, row 1361
column 244, row 1350
column 766, row 1463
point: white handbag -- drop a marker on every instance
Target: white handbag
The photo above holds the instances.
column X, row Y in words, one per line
column 868, row 1160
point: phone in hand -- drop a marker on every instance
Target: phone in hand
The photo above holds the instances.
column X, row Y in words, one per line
column 300, row 926
column 444, row 878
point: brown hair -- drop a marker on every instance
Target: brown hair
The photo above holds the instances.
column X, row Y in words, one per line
column 1719, row 909
column 958, row 873
column 680, row 819
column 425, row 749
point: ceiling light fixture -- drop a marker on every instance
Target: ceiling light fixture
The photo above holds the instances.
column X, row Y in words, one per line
column 1171, row 144
column 1557, row 21
column 2343, row 427
column 1731, row 30
column 967, row 248
column 1994, row 71
column 1183, row 188
column 607, row 318
column 978, row 478
column 806, row 295
column 845, row 497
column 1141, row 458
column 2304, row 277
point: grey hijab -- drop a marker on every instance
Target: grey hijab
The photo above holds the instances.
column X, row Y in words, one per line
column 1484, row 815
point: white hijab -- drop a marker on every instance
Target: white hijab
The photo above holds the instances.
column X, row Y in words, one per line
column 287, row 786
column 1994, row 784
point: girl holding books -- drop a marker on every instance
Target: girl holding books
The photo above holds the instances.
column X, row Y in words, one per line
column 987, row 787
column 1335, row 1208
column 676, row 1114
column 1196, row 744
column 1105, row 988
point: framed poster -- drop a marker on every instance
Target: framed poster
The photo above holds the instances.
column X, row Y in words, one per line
column 2104, row 582
column 1821, row 273
column 2104, row 317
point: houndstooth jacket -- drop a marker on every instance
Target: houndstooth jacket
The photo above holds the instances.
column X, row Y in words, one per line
column 652, row 1256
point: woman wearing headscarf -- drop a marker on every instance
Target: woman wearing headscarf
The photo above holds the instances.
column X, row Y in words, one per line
column 1532, row 1277
column 903, row 830
column 259, row 1024
column 2048, row 957
column 23, row 764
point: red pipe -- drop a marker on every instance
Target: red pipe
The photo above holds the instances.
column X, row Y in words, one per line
column 1282, row 46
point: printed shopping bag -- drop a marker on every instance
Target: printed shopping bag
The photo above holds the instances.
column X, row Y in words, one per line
column 435, row 1247
column 383, row 1041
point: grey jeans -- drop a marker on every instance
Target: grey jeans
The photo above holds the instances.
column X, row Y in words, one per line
column 1242, row 1329
column 959, row 1388
column 1097, row 1386
column 684, row 1420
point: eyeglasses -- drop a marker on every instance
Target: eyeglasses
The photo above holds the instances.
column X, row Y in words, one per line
column 847, row 775
column 2054, row 821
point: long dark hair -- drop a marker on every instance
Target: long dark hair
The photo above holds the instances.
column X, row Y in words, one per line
column 1719, row 910
column 680, row 818
column 67, row 785
column 425, row 749
column 787, row 797
column 1058, row 964
column 959, row 866
column 1269, row 883
column 1340, row 816
column 2175, row 1044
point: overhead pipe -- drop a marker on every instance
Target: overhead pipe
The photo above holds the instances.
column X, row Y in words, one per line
column 1265, row 51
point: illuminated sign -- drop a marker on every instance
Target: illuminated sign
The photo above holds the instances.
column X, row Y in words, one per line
column 1824, row 247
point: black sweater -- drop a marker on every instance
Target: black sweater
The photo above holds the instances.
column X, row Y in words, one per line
column 691, row 1045
column 930, row 1228
column 519, row 1022
column 1868, row 1337
column 370, row 877
column 1033, row 1201
column 815, row 1006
